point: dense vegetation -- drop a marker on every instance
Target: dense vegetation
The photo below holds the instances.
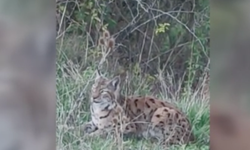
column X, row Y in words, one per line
column 162, row 49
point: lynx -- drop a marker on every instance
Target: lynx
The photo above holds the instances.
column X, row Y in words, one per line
column 144, row 116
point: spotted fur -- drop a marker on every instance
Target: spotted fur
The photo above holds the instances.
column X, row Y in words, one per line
column 107, row 115
column 148, row 117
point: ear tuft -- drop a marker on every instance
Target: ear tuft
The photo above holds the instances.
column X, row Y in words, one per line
column 114, row 83
column 98, row 74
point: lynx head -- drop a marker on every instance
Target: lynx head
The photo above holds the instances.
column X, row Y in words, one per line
column 104, row 89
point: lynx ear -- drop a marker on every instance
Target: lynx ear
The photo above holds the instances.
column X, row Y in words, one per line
column 114, row 83
column 97, row 74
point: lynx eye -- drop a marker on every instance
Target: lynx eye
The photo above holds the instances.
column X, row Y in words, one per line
column 105, row 95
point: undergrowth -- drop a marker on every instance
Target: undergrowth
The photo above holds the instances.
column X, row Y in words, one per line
column 74, row 80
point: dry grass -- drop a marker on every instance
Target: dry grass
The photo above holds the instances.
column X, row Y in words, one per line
column 73, row 84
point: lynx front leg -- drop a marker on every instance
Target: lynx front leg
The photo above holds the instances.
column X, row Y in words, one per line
column 89, row 128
